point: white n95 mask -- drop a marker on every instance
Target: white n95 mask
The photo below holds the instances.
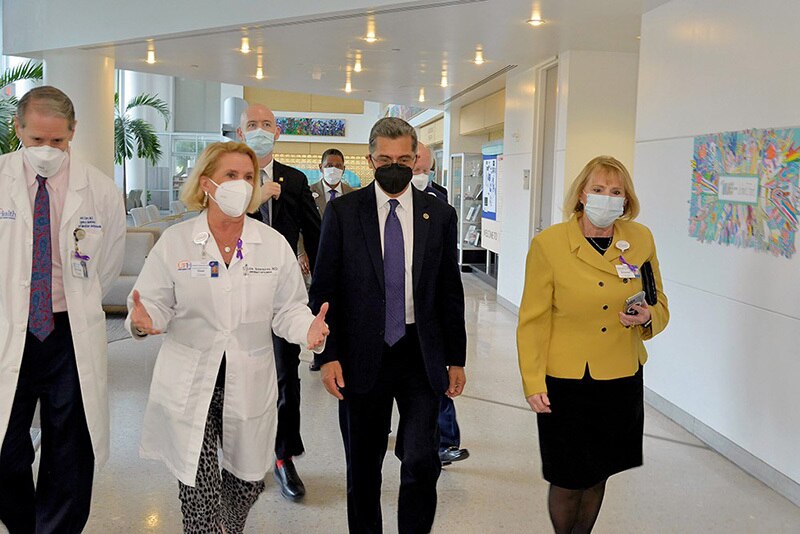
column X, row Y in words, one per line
column 232, row 197
column 420, row 181
column 332, row 175
column 603, row 210
column 45, row 160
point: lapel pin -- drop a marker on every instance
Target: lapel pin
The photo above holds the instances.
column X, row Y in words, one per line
column 623, row 245
column 280, row 178
column 426, row 216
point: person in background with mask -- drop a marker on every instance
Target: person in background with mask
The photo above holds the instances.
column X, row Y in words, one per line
column 449, row 432
column 391, row 276
column 328, row 188
column 62, row 233
column 423, row 174
column 218, row 285
column 331, row 185
column 288, row 207
column 580, row 344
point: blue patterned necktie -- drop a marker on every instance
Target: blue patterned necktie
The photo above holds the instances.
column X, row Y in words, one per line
column 40, row 316
column 333, row 194
column 394, row 275
column 264, row 208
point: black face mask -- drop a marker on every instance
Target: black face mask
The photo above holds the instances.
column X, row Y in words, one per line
column 393, row 178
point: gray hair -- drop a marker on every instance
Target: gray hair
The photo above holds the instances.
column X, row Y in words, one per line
column 393, row 128
column 48, row 100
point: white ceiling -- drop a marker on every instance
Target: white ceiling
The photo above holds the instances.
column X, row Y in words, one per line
column 415, row 43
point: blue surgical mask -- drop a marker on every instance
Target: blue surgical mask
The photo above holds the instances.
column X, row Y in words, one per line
column 261, row 141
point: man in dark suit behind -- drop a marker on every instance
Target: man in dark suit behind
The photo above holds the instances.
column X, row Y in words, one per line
column 287, row 206
column 397, row 328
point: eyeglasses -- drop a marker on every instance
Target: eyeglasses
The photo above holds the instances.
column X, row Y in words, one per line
column 381, row 161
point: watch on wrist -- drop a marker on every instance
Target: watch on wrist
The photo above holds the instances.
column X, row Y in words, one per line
column 647, row 324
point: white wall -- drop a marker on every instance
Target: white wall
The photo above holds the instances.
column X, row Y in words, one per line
column 197, row 106
column 730, row 355
column 518, row 138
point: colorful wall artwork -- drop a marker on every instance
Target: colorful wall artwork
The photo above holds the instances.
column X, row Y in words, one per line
column 745, row 189
column 306, row 126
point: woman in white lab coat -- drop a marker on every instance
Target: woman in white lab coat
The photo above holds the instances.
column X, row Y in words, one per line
column 217, row 286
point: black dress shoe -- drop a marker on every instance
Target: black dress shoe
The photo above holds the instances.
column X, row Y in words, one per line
column 453, row 454
column 292, row 487
column 313, row 366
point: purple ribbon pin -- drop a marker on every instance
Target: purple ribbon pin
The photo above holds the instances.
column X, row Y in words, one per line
column 239, row 254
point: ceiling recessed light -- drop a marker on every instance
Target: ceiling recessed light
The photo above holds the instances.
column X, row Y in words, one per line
column 151, row 56
column 259, row 73
column 348, row 88
column 443, row 83
column 357, row 66
column 422, row 94
column 370, row 38
column 536, row 21
column 245, row 48
column 479, row 56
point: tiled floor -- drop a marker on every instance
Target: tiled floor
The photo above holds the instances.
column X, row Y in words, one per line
column 683, row 488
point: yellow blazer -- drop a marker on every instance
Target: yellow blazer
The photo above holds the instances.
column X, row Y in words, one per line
column 569, row 315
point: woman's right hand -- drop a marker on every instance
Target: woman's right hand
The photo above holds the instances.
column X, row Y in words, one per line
column 539, row 403
column 140, row 319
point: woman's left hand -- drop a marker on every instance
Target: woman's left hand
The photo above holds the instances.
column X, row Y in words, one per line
column 318, row 330
column 641, row 317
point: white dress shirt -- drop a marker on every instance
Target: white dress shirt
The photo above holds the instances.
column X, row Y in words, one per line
column 328, row 189
column 405, row 212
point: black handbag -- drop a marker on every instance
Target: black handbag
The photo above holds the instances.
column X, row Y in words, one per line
column 649, row 284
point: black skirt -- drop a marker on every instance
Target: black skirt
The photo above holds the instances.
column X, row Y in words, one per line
column 594, row 431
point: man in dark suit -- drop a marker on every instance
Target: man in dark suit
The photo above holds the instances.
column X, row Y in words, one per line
column 397, row 328
column 287, row 206
column 449, row 432
column 329, row 187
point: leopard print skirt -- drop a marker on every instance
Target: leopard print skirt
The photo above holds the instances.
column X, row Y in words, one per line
column 217, row 499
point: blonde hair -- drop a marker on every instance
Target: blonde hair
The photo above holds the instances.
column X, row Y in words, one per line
column 603, row 164
column 193, row 195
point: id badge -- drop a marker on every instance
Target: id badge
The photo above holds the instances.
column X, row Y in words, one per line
column 623, row 271
column 79, row 268
column 201, row 270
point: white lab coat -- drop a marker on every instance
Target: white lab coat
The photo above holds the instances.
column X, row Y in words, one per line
column 93, row 203
column 203, row 317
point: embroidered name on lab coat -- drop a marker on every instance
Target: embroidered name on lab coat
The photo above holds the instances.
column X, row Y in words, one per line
column 88, row 221
column 251, row 270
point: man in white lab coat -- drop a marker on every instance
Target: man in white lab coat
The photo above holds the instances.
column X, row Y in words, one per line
column 62, row 233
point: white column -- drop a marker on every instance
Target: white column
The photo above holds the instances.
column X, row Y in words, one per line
column 88, row 79
column 134, row 84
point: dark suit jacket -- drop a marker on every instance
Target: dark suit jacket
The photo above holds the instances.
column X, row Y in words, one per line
column 439, row 188
column 294, row 211
column 321, row 197
column 351, row 279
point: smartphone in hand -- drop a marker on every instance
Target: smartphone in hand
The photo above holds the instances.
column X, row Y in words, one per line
column 638, row 298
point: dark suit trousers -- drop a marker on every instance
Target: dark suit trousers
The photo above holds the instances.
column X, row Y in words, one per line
column 448, row 425
column 62, row 497
column 288, row 442
column 365, row 419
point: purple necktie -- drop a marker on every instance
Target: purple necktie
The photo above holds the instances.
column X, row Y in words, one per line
column 333, row 194
column 394, row 276
column 40, row 317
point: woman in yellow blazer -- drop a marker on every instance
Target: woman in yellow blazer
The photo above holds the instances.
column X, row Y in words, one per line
column 580, row 353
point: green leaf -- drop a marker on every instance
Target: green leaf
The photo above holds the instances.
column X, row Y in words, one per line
column 151, row 101
column 147, row 144
column 30, row 70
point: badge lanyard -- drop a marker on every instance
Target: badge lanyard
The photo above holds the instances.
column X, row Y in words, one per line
column 79, row 267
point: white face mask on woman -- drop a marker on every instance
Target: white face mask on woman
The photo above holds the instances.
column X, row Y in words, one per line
column 45, row 160
column 232, row 196
column 603, row 210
